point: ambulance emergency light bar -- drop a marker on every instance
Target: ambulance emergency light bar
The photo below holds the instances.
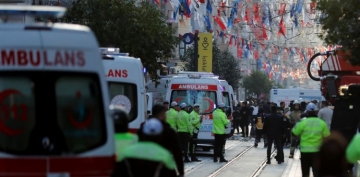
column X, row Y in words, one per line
column 47, row 11
column 104, row 50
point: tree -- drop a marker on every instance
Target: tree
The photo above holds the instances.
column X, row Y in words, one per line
column 257, row 83
column 340, row 25
column 225, row 65
column 138, row 29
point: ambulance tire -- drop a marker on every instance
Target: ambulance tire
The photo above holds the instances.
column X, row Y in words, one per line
column 207, row 149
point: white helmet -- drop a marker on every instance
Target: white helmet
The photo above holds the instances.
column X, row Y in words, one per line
column 296, row 102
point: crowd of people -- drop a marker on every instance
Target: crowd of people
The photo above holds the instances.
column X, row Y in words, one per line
column 169, row 137
column 300, row 124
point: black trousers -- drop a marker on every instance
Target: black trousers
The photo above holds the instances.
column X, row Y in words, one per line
column 259, row 134
column 193, row 144
column 237, row 124
column 245, row 126
column 184, row 141
column 219, row 145
column 307, row 161
column 277, row 142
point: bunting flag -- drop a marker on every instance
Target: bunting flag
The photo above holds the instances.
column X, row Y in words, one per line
column 282, row 9
column 220, row 22
column 282, row 29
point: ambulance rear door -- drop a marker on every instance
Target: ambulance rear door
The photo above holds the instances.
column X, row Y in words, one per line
column 127, row 87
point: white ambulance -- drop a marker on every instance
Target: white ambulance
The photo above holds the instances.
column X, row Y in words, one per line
column 126, row 83
column 228, row 94
column 202, row 88
column 54, row 118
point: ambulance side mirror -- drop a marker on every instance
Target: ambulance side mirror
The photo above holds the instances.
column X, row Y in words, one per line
column 120, row 118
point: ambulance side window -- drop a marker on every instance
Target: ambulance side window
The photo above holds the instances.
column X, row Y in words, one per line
column 17, row 113
column 124, row 94
column 79, row 112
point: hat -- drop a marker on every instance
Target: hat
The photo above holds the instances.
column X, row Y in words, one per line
column 221, row 105
column 196, row 105
column 296, row 102
column 174, row 104
column 314, row 101
column 311, row 107
column 182, row 105
column 153, row 127
column 166, row 102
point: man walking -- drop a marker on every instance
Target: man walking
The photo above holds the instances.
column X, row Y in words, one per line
column 274, row 130
column 245, row 116
column 325, row 113
column 295, row 117
column 255, row 111
column 220, row 122
column 185, row 130
column 311, row 130
column 196, row 122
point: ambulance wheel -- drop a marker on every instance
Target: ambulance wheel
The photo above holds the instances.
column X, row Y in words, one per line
column 206, row 149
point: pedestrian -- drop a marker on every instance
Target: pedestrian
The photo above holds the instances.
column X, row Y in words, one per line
column 172, row 115
column 259, row 124
column 245, row 116
column 220, row 122
column 325, row 113
column 196, row 121
column 237, row 118
column 295, row 117
column 286, row 126
column 274, row 130
column 282, row 106
column 312, row 131
column 169, row 138
column 166, row 104
column 185, row 130
column 122, row 136
column 255, row 111
column 153, row 159
column 331, row 160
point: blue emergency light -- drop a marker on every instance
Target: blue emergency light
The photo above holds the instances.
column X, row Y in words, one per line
column 49, row 11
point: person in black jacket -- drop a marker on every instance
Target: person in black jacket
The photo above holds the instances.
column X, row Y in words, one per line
column 274, row 130
column 169, row 138
column 245, row 113
column 237, row 118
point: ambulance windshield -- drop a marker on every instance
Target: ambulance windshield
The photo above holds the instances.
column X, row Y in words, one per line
column 50, row 113
column 206, row 99
column 124, row 94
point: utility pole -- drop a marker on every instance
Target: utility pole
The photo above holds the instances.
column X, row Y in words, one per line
column 196, row 50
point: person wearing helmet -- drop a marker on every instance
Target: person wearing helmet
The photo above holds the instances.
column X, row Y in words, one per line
column 122, row 136
column 196, row 121
column 185, row 130
column 220, row 122
column 312, row 131
column 295, row 117
column 172, row 115
column 154, row 159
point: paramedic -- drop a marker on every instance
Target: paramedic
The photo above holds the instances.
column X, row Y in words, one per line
column 220, row 122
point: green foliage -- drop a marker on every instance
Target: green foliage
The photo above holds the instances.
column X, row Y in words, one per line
column 340, row 24
column 225, row 65
column 138, row 29
column 257, row 83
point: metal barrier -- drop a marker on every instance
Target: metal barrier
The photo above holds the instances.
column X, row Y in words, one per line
column 357, row 169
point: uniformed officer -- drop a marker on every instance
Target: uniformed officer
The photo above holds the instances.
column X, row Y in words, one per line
column 196, row 121
column 185, row 130
column 172, row 115
column 220, row 122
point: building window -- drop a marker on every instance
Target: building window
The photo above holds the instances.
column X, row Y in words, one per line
column 182, row 48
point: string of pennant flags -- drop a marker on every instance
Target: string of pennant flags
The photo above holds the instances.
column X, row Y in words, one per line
column 271, row 32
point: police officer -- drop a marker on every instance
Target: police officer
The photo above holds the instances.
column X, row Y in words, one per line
column 172, row 115
column 122, row 136
column 185, row 130
column 154, row 159
column 220, row 122
column 196, row 121
column 295, row 117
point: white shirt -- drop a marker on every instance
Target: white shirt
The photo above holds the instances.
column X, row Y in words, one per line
column 256, row 110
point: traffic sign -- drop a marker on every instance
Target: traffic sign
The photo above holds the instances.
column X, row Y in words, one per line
column 188, row 38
